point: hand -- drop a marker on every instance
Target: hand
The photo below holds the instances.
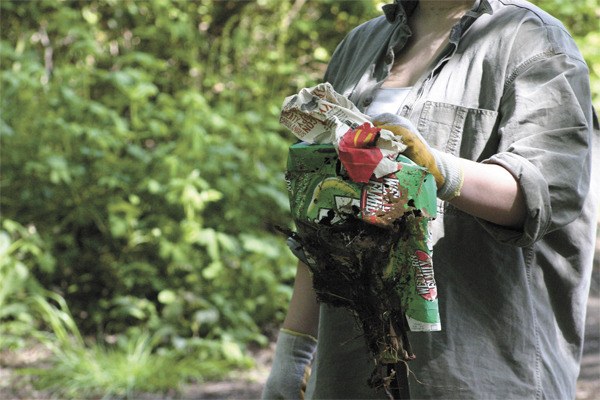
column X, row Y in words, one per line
column 445, row 168
column 293, row 354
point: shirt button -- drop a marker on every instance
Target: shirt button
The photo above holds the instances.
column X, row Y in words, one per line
column 367, row 101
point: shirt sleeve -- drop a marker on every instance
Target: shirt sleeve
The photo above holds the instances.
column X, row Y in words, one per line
column 545, row 137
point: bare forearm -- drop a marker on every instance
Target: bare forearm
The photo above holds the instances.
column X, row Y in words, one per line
column 491, row 192
column 303, row 312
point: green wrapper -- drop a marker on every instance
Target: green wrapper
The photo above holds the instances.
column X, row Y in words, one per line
column 412, row 268
column 389, row 216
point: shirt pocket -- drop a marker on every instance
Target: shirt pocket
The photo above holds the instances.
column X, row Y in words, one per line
column 466, row 132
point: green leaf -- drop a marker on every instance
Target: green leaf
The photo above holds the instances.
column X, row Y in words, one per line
column 167, row 296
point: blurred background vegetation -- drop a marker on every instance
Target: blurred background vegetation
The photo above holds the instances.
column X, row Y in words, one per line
column 142, row 177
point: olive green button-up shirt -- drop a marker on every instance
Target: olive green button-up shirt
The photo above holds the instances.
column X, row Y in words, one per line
column 511, row 88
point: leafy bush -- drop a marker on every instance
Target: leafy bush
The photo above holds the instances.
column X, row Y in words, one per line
column 140, row 141
column 20, row 247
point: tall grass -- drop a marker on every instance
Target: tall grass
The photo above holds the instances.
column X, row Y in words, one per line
column 123, row 370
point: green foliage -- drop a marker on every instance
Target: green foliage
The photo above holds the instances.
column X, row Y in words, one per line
column 132, row 365
column 142, row 170
column 141, row 174
column 19, row 247
column 138, row 178
column 118, row 373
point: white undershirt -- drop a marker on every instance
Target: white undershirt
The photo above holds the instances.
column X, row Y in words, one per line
column 387, row 100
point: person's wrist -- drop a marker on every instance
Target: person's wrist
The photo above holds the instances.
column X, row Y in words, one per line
column 451, row 169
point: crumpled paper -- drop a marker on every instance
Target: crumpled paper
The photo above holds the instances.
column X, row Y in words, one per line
column 321, row 115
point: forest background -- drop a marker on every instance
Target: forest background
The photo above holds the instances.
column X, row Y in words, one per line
column 142, row 179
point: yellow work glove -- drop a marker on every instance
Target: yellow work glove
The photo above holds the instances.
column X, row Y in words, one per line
column 444, row 167
column 293, row 354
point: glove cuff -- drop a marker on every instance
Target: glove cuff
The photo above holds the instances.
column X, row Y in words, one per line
column 299, row 346
column 453, row 174
column 298, row 334
column 293, row 354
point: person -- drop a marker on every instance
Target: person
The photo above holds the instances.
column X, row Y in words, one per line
column 500, row 97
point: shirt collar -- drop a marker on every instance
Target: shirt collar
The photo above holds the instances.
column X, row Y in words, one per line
column 403, row 8
column 399, row 9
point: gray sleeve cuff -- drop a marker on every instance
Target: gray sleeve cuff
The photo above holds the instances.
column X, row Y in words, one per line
column 537, row 202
